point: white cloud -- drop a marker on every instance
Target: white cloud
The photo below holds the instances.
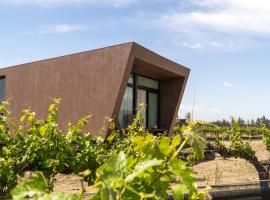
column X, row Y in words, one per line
column 215, row 44
column 227, row 16
column 61, row 28
column 116, row 3
column 195, row 45
column 227, row 84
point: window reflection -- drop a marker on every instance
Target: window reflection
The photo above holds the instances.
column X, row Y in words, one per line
column 126, row 109
column 140, row 90
column 2, row 89
column 152, row 110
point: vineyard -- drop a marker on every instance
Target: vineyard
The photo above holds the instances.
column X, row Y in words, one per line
column 128, row 164
column 212, row 131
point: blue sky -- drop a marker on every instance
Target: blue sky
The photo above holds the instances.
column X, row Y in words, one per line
column 226, row 43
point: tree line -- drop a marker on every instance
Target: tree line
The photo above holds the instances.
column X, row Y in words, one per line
column 256, row 122
column 242, row 122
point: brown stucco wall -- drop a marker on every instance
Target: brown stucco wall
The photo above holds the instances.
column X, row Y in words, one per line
column 87, row 83
column 93, row 83
column 170, row 90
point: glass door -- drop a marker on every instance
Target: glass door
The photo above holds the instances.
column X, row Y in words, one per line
column 142, row 99
column 126, row 109
column 152, row 110
column 140, row 90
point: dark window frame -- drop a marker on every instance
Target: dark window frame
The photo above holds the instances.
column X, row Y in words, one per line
column 3, row 77
column 135, row 87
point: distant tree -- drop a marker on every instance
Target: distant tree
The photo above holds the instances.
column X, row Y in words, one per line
column 265, row 121
column 241, row 121
column 188, row 117
column 222, row 122
column 262, row 120
column 258, row 121
column 253, row 122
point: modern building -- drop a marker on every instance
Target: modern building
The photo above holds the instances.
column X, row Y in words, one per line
column 106, row 82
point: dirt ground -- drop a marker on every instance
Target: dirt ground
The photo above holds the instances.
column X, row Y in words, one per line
column 67, row 183
column 218, row 171
column 221, row 171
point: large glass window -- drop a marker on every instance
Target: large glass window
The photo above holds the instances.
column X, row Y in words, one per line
column 153, row 110
column 131, row 79
column 142, row 99
column 126, row 109
column 147, row 82
column 140, row 90
column 2, row 89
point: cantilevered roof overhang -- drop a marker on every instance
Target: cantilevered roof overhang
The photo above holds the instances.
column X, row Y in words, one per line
column 172, row 77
